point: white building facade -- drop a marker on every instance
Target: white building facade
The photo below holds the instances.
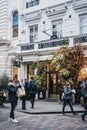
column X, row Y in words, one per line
column 31, row 29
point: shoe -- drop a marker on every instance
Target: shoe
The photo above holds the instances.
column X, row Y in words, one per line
column 14, row 121
column 63, row 113
column 82, row 117
column 32, row 106
column 10, row 119
column 74, row 113
column 23, row 108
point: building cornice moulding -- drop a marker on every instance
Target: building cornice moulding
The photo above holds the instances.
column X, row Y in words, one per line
column 4, row 42
column 80, row 5
column 33, row 16
column 50, row 11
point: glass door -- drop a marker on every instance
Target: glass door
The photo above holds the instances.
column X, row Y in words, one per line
column 53, row 85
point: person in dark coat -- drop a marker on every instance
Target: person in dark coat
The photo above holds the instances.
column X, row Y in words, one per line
column 32, row 91
column 85, row 104
column 26, row 90
column 12, row 89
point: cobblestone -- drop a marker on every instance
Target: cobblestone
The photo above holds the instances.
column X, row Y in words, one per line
column 38, row 121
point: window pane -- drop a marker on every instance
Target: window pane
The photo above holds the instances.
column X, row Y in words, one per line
column 83, row 23
column 31, row 39
column 15, row 24
column 15, row 32
column 31, row 30
column 83, row 29
column 57, row 28
column 33, row 33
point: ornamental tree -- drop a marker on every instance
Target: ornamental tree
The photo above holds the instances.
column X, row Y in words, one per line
column 68, row 61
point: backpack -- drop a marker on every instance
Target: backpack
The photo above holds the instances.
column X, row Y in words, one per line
column 33, row 86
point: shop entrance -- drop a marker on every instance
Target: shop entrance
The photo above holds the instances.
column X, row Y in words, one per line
column 53, row 84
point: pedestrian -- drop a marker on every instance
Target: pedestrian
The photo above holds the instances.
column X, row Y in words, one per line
column 26, row 90
column 23, row 98
column 12, row 89
column 73, row 94
column 85, row 104
column 32, row 91
column 83, row 86
column 67, row 98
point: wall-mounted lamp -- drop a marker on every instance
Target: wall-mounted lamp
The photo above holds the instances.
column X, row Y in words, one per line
column 44, row 25
column 70, row 16
column 18, row 60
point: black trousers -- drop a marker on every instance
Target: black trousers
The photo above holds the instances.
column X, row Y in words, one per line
column 68, row 101
column 85, row 113
column 32, row 100
column 13, row 105
column 24, row 102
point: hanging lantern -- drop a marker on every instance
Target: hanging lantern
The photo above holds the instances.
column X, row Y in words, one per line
column 18, row 63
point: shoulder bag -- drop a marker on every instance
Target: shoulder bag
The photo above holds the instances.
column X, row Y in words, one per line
column 20, row 92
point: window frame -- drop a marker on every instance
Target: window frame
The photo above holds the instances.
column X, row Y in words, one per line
column 81, row 25
column 58, row 30
column 33, row 34
column 15, row 24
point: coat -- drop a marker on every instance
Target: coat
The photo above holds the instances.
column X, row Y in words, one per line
column 12, row 93
column 67, row 94
column 30, row 87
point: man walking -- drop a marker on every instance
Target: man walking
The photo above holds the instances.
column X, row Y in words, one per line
column 85, row 104
column 32, row 91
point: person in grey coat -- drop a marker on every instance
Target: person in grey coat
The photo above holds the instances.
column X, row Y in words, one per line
column 67, row 98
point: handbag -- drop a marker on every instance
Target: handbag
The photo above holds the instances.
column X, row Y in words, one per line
column 20, row 92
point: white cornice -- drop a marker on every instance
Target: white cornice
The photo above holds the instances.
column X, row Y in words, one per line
column 32, row 16
column 80, row 5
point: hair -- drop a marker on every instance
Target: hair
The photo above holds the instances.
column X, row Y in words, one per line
column 32, row 78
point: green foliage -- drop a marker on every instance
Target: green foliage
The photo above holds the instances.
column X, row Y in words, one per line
column 40, row 77
column 68, row 61
column 66, row 41
column 4, row 81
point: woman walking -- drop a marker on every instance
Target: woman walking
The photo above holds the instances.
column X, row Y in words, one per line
column 12, row 89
